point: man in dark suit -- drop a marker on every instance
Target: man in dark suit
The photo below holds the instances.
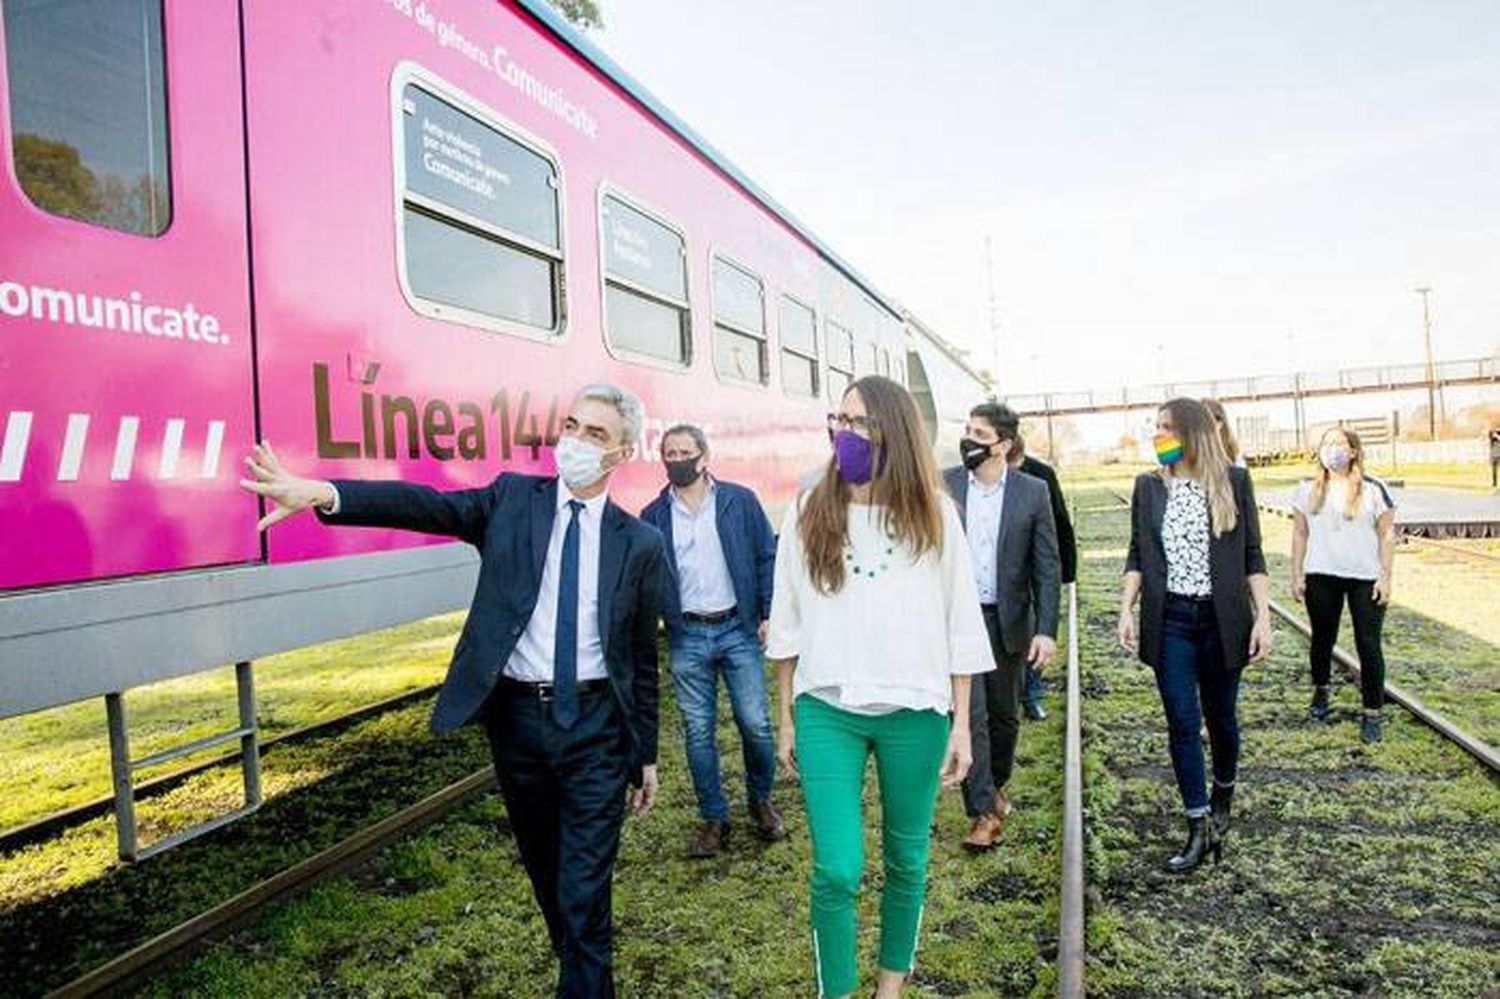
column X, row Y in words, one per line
column 1067, row 549
column 557, row 658
column 1013, row 544
column 722, row 555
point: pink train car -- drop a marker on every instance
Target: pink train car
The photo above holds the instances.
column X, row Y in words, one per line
column 391, row 237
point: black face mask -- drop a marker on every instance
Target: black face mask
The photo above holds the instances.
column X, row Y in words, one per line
column 683, row 473
column 974, row 453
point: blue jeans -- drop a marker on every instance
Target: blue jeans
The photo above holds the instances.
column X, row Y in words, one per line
column 1191, row 672
column 699, row 653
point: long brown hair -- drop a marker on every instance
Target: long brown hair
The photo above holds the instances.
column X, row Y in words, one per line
column 1226, row 435
column 905, row 485
column 1319, row 491
column 1204, row 459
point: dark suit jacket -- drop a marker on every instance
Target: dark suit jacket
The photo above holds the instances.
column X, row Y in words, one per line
column 749, row 551
column 510, row 522
column 1232, row 558
column 1067, row 544
column 1027, row 570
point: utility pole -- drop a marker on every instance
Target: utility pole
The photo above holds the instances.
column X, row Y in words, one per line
column 989, row 281
column 1424, row 291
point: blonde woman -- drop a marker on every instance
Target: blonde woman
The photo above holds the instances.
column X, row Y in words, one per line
column 1343, row 544
column 1196, row 565
column 1226, row 435
column 875, row 631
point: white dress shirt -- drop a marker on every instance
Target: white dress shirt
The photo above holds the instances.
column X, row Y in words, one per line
column 982, row 511
column 895, row 634
column 703, row 578
column 532, row 659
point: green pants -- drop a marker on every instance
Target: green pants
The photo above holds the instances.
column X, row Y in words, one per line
column 833, row 746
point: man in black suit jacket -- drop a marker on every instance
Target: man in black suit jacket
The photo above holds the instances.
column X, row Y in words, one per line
column 1008, row 519
column 1067, row 549
column 557, row 658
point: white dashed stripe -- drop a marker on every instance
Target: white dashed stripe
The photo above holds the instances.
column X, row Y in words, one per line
column 125, row 447
column 72, row 454
column 171, row 446
column 13, row 454
column 211, row 449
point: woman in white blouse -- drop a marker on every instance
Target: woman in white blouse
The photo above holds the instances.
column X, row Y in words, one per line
column 1195, row 562
column 1343, row 543
column 875, row 631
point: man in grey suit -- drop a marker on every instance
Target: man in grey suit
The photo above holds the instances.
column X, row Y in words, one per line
column 1007, row 517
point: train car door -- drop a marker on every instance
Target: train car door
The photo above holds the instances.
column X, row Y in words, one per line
column 126, row 391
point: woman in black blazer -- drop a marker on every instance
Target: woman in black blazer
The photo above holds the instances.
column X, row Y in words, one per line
column 1195, row 562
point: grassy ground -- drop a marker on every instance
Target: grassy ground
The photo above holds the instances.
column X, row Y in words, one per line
column 449, row 912
column 1352, row 870
column 53, row 759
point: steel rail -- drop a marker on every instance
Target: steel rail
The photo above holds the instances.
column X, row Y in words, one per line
column 50, row 825
column 1474, row 746
column 179, row 941
column 1070, row 941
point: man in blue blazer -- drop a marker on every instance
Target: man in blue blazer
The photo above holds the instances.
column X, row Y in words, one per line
column 557, row 658
column 722, row 555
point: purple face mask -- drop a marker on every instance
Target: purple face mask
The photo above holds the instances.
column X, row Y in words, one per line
column 855, row 457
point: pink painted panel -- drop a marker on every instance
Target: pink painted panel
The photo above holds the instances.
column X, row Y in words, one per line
column 325, row 140
column 118, row 448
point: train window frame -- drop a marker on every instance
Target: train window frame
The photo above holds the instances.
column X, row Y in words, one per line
column 161, row 70
column 852, row 372
column 410, row 73
column 612, row 191
column 817, row 355
column 715, row 258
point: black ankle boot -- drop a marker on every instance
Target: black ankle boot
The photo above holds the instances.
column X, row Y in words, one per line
column 1318, row 709
column 1220, row 801
column 1200, row 843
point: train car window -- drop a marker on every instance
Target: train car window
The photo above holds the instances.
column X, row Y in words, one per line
column 88, row 111
column 645, row 284
column 740, row 349
column 840, row 344
column 883, row 361
column 480, row 233
column 799, row 348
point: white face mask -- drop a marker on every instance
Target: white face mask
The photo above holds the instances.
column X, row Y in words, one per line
column 1336, row 457
column 579, row 462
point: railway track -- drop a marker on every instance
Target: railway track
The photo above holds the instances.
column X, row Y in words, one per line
column 1070, row 962
column 132, row 966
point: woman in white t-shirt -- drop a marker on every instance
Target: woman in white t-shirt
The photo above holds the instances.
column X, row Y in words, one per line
column 875, row 631
column 1342, row 546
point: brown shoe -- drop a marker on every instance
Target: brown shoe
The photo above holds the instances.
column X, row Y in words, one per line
column 989, row 826
column 768, row 822
column 711, row 837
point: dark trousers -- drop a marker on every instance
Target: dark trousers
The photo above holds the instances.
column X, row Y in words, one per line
column 564, row 793
column 994, row 721
column 1197, row 689
column 1325, row 606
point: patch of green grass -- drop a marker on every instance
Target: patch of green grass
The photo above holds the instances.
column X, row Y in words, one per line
column 1351, row 870
column 449, row 912
column 54, row 759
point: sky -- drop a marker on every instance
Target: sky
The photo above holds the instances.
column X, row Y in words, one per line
column 1170, row 190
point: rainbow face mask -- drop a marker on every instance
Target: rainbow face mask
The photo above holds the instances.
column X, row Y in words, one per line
column 1168, row 449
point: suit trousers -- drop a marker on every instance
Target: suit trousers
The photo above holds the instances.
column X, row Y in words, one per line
column 994, row 721
column 564, row 791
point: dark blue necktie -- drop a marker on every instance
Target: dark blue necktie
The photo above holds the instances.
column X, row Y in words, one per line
column 565, row 647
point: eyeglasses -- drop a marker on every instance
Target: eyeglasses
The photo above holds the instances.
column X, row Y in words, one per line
column 862, row 425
